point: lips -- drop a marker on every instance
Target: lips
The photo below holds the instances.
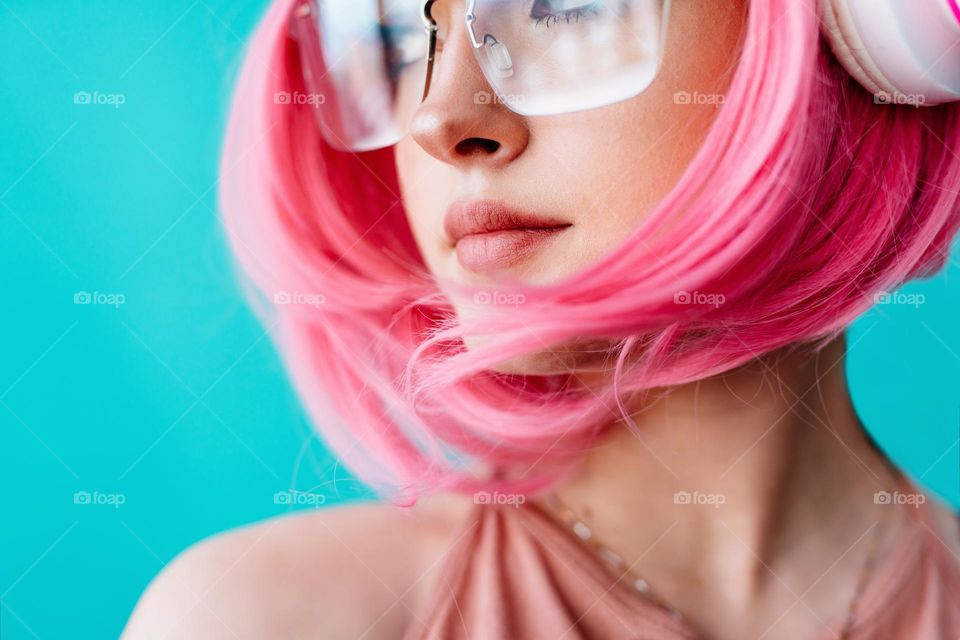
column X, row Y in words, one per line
column 489, row 235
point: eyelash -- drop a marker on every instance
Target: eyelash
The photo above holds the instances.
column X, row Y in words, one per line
column 565, row 16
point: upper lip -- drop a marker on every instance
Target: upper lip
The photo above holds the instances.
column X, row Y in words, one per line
column 485, row 216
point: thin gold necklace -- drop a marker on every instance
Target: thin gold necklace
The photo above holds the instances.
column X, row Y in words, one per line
column 584, row 533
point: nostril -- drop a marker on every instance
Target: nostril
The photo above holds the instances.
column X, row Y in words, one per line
column 477, row 146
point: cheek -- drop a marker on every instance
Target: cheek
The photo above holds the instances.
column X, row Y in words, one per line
column 615, row 164
column 639, row 149
column 425, row 187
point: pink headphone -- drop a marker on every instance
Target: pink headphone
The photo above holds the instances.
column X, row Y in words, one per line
column 903, row 51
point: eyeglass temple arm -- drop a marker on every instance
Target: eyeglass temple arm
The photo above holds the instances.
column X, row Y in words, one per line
column 431, row 27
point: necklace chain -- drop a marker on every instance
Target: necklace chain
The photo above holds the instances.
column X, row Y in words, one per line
column 625, row 572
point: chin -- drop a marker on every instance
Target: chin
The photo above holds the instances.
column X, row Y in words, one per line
column 575, row 355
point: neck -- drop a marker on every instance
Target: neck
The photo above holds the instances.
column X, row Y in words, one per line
column 726, row 480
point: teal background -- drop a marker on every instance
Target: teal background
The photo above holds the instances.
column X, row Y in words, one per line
column 175, row 400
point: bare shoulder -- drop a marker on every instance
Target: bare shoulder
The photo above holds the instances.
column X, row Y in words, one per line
column 344, row 572
column 946, row 523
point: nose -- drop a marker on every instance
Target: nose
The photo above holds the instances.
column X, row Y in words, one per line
column 461, row 121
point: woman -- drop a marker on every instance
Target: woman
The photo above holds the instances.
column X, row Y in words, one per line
column 567, row 282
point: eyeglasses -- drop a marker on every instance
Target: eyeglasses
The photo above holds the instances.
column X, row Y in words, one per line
column 368, row 64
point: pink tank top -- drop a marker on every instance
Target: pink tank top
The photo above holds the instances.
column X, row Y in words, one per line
column 515, row 573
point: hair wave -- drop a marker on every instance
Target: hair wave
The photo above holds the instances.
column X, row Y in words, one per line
column 805, row 201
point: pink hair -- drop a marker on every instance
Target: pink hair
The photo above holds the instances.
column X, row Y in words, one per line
column 805, row 201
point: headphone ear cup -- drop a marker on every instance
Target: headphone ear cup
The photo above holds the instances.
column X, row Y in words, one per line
column 848, row 47
column 902, row 51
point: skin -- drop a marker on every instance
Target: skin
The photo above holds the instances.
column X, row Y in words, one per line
column 637, row 149
column 778, row 437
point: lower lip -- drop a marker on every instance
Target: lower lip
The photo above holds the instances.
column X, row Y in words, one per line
column 495, row 250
